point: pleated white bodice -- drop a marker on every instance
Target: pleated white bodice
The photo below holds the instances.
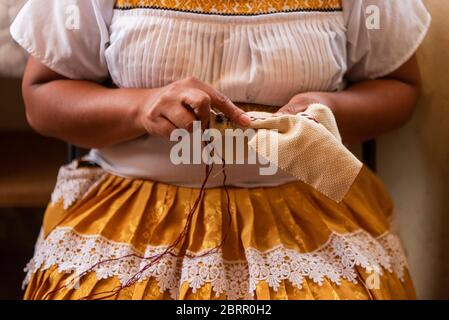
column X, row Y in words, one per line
column 265, row 59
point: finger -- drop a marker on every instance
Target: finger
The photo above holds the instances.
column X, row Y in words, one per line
column 163, row 127
column 291, row 108
column 180, row 116
column 225, row 105
column 200, row 103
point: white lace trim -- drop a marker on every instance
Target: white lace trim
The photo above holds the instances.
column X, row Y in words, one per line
column 74, row 183
column 335, row 260
column 392, row 244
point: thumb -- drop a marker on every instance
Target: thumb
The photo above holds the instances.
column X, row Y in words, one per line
column 291, row 109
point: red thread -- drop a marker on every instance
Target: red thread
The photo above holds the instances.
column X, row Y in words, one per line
column 169, row 251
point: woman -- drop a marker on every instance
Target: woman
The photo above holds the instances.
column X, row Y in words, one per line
column 127, row 223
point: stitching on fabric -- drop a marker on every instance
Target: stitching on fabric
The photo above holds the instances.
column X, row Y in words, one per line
column 233, row 8
column 230, row 14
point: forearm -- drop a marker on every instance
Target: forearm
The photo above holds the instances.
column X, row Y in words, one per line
column 370, row 108
column 84, row 113
column 367, row 109
column 90, row 115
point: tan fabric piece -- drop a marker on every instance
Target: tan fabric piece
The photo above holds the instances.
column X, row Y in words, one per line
column 308, row 146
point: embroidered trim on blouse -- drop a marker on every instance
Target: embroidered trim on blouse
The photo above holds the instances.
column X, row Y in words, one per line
column 232, row 7
column 337, row 259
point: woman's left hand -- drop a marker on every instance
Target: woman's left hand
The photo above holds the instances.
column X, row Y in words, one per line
column 302, row 101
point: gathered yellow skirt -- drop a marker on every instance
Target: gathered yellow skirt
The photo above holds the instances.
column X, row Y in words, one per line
column 101, row 232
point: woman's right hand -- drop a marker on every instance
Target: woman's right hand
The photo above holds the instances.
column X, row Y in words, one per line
column 91, row 115
column 180, row 103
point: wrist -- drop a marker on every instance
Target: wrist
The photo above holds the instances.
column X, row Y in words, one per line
column 135, row 112
column 140, row 101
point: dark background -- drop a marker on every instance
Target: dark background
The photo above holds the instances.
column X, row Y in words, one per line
column 28, row 168
column 18, row 232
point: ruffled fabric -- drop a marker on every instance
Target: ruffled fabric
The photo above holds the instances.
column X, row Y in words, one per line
column 287, row 242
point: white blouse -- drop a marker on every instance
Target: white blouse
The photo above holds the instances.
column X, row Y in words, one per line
column 261, row 52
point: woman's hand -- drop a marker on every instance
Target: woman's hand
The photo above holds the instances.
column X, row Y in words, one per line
column 90, row 115
column 368, row 108
column 181, row 103
column 300, row 102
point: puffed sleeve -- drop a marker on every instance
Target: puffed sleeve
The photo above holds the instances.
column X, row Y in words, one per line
column 68, row 36
column 382, row 35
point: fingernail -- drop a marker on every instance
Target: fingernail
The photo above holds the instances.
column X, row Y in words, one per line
column 244, row 120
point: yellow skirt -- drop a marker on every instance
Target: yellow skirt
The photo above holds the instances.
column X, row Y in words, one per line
column 290, row 242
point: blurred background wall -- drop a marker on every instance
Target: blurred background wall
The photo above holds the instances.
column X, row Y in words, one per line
column 414, row 163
